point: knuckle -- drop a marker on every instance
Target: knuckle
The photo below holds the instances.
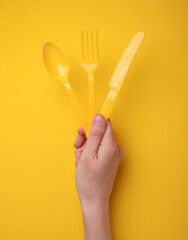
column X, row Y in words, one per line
column 118, row 152
column 114, row 150
column 121, row 154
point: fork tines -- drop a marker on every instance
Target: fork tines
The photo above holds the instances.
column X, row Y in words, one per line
column 90, row 48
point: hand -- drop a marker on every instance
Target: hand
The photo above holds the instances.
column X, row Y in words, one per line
column 97, row 162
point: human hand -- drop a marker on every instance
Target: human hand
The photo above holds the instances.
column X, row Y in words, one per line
column 97, row 162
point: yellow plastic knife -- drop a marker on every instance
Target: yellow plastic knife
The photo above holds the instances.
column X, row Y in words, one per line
column 120, row 72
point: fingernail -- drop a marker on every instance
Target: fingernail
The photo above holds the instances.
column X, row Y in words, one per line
column 99, row 120
column 109, row 120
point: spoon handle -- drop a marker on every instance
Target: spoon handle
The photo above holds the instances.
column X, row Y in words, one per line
column 81, row 114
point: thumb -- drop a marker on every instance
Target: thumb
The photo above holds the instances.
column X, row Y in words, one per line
column 96, row 134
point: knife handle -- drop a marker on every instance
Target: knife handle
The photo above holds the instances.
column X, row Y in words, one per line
column 109, row 103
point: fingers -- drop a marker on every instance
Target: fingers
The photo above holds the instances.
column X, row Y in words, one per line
column 81, row 131
column 79, row 144
column 80, row 139
column 97, row 131
column 109, row 134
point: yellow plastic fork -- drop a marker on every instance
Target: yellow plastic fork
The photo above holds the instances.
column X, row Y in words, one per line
column 90, row 61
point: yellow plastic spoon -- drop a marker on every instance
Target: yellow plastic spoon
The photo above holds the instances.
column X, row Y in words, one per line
column 120, row 72
column 58, row 66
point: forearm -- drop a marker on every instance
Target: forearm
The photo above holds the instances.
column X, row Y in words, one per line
column 96, row 222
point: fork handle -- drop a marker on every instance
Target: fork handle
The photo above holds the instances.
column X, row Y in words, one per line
column 92, row 108
column 109, row 103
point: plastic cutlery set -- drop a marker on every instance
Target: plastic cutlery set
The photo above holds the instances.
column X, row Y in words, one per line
column 58, row 66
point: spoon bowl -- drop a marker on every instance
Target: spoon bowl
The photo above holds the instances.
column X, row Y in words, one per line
column 55, row 62
column 58, row 67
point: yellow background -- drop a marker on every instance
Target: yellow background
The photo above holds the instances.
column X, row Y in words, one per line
column 38, row 199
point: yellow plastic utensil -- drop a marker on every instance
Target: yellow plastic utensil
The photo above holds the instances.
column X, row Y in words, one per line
column 120, row 72
column 90, row 61
column 58, row 66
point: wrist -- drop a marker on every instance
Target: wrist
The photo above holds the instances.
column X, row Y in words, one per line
column 95, row 208
column 96, row 221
